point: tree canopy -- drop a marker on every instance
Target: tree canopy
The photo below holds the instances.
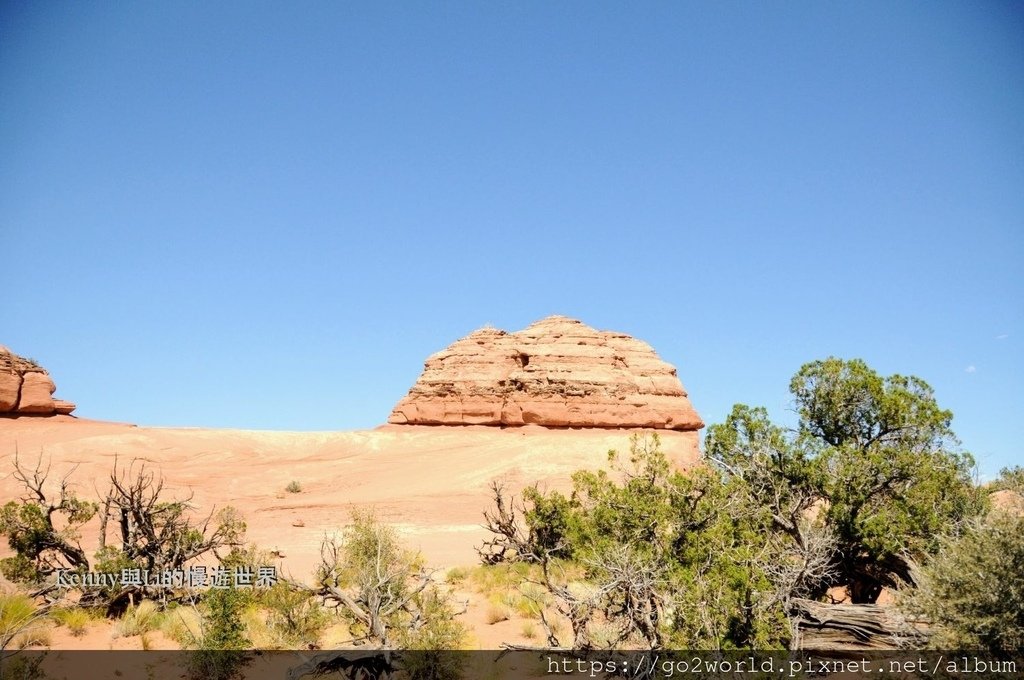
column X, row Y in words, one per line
column 873, row 459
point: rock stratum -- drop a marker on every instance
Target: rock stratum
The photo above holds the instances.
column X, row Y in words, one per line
column 558, row 372
column 26, row 388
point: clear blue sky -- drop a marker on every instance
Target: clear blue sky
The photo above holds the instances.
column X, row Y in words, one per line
column 268, row 215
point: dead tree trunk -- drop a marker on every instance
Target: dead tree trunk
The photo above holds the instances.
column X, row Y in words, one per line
column 852, row 627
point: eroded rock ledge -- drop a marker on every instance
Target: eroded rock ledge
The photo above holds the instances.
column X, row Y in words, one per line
column 558, row 372
column 26, row 388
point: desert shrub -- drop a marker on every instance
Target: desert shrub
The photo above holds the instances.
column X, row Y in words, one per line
column 247, row 555
column 216, row 664
column 24, row 667
column 382, row 588
column 972, row 591
column 138, row 619
column 111, row 560
column 1010, row 479
column 40, row 544
column 522, row 604
column 293, row 487
column 501, row 577
column 75, row 619
column 220, row 655
column 222, row 627
column 651, row 556
column 426, row 658
column 294, row 615
column 19, row 569
column 257, row 631
column 159, row 535
column 156, row 534
column 532, row 598
column 440, row 628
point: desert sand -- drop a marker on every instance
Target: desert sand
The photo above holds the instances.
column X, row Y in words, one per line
column 430, row 483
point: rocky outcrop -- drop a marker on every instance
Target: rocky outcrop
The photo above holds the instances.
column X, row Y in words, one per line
column 26, row 388
column 558, row 372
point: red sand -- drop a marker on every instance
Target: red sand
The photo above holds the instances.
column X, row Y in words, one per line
column 431, row 483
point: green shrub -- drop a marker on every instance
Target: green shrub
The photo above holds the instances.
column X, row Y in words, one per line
column 39, row 545
column 222, row 624
column 1010, row 479
column 294, row 616
column 220, row 655
column 972, row 591
column 501, row 577
column 383, row 589
column 437, row 628
column 654, row 557
column 19, row 569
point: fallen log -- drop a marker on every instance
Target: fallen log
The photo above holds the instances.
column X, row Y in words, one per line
column 853, row 627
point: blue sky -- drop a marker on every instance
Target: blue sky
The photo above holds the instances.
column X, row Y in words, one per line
column 268, row 215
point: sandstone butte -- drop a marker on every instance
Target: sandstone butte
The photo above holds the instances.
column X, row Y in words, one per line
column 556, row 373
column 26, row 388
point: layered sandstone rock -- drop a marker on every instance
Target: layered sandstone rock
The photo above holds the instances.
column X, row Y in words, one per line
column 558, row 372
column 26, row 388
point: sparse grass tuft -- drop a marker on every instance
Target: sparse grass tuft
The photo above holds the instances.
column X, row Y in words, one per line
column 603, row 634
column 529, row 630
column 495, row 614
column 293, row 487
column 35, row 636
column 532, row 597
column 257, row 631
column 137, row 620
column 456, row 575
column 183, row 625
column 19, row 619
column 497, row 577
column 511, row 589
column 75, row 619
column 518, row 603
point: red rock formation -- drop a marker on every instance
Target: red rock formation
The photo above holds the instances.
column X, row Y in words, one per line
column 558, row 372
column 26, row 388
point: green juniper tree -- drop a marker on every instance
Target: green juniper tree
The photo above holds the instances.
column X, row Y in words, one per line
column 875, row 456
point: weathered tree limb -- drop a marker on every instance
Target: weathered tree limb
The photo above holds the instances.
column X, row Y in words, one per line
column 852, row 627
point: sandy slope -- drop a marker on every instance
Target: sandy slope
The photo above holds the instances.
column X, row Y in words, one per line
column 430, row 482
